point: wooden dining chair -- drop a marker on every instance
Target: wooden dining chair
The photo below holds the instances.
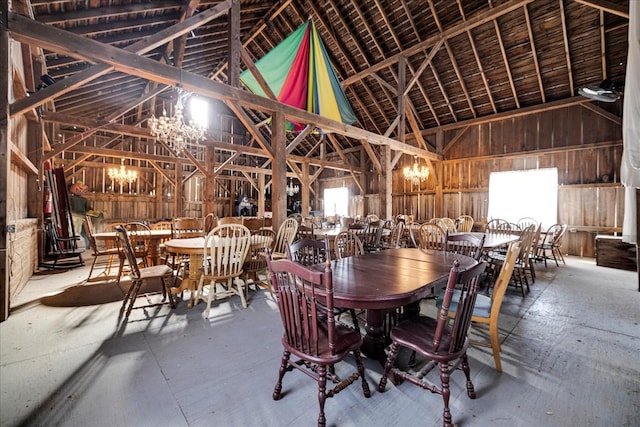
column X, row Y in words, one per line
column 311, row 252
column 412, row 232
column 225, row 251
column 447, row 224
column 256, row 261
column 464, row 223
column 465, row 244
column 210, row 222
column 311, row 333
column 497, row 225
column 139, row 275
column 104, row 256
column 139, row 235
column 550, row 247
column 305, row 231
column 527, row 221
column 395, row 238
column 438, row 342
column 253, row 224
column 184, row 228
column 347, row 244
column 372, row 241
column 286, row 234
column 486, row 310
column 431, row 236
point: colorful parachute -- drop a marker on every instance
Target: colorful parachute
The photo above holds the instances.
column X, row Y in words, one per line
column 299, row 73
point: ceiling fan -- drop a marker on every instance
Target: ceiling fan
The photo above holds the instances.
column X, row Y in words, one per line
column 605, row 91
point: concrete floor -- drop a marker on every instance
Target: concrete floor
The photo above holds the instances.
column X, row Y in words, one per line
column 571, row 357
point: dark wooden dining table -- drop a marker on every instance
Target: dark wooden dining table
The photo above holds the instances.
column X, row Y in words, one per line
column 385, row 280
column 493, row 240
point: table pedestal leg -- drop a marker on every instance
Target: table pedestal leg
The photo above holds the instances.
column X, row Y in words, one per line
column 189, row 283
column 373, row 343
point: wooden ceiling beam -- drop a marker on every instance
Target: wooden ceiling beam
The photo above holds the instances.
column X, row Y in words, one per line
column 505, row 60
column 607, row 6
column 251, row 128
column 534, row 53
column 483, row 75
column 475, row 21
column 567, row 53
column 106, row 12
column 68, row 84
column 338, row 149
column 54, row 39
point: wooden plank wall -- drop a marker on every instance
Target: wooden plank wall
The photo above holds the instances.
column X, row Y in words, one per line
column 584, row 146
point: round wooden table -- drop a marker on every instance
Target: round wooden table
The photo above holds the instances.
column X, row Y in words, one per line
column 152, row 239
column 194, row 248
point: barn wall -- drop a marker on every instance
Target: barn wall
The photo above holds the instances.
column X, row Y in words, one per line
column 22, row 245
column 584, row 146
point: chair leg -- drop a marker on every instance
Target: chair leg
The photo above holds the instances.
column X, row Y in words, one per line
column 167, row 292
column 93, row 264
column 322, row 394
column 283, row 370
column 391, row 358
column 354, row 319
column 360, row 365
column 467, row 372
column 210, row 297
column 495, row 345
column 445, row 392
column 132, row 299
column 239, row 290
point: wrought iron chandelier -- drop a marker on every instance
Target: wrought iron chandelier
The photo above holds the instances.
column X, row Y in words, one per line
column 122, row 175
column 292, row 189
column 416, row 174
column 173, row 131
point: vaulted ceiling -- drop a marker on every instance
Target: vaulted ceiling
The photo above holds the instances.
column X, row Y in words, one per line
column 455, row 61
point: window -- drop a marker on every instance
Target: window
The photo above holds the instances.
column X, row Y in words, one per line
column 518, row 194
column 199, row 109
column 336, row 201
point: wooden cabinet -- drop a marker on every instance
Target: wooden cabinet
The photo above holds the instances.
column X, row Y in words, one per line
column 611, row 251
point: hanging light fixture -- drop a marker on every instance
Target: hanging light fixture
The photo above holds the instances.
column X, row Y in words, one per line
column 173, row 131
column 416, row 174
column 122, row 175
column 292, row 189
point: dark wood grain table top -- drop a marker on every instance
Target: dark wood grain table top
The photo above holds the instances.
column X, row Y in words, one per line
column 390, row 278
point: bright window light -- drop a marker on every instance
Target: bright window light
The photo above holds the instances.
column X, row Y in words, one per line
column 518, row 194
column 336, row 201
column 199, row 109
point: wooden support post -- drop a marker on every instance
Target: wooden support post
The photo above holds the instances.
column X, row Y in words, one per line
column 35, row 184
column 388, row 184
column 261, row 195
column 279, row 170
column 178, row 202
column 210, row 181
column 305, row 189
column 402, row 76
column 234, row 44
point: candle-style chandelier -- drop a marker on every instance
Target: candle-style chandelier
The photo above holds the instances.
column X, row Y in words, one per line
column 292, row 189
column 416, row 174
column 122, row 175
column 172, row 130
